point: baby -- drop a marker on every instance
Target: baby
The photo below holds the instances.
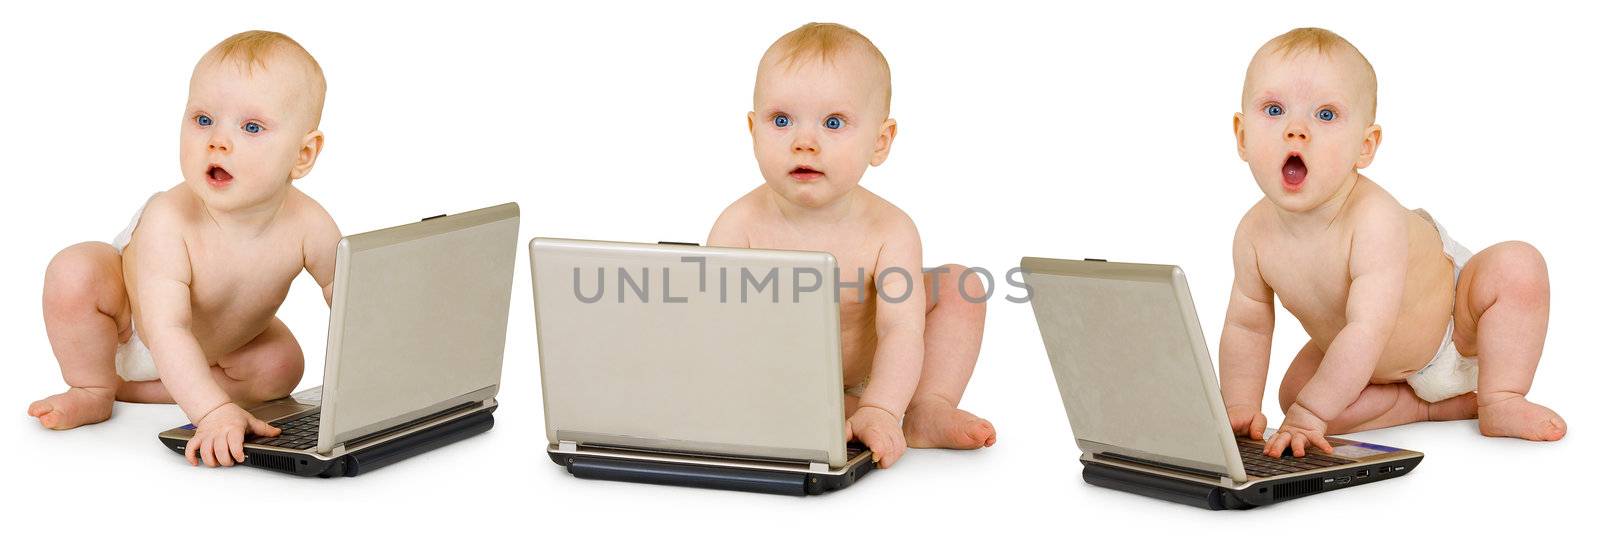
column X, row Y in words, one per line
column 1385, row 294
column 821, row 117
column 204, row 266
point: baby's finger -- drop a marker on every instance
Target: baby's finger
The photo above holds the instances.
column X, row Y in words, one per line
column 236, row 444
column 1322, row 443
column 189, row 451
column 1298, row 443
column 206, row 451
column 1275, row 447
column 1258, row 426
column 260, row 428
column 224, row 457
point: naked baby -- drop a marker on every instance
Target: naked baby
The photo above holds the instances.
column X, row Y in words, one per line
column 1406, row 325
column 820, row 118
column 180, row 308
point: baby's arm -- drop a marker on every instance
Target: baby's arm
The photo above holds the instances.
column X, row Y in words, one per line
column 897, row 363
column 1377, row 283
column 321, row 247
column 1246, row 339
column 729, row 231
column 165, row 318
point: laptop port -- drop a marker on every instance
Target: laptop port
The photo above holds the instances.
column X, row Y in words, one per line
column 1383, row 470
column 1344, row 480
column 1363, row 473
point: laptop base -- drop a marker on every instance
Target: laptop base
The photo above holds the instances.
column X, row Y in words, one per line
column 1213, row 497
column 365, row 459
column 652, row 469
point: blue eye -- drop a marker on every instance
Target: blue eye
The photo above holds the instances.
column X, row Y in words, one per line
column 1274, row 110
column 252, row 127
column 1325, row 114
column 834, row 123
column 202, row 120
column 780, row 121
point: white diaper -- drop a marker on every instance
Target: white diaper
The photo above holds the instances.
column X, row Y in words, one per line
column 134, row 362
column 1449, row 373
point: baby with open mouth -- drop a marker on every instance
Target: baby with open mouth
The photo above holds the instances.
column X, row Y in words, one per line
column 909, row 338
column 180, row 308
column 1406, row 325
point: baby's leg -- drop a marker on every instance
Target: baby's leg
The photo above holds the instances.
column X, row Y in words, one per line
column 264, row 369
column 1502, row 311
column 86, row 315
column 953, row 332
column 1378, row 405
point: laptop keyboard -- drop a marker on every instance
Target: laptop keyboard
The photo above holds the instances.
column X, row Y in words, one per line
column 299, row 432
column 1259, row 464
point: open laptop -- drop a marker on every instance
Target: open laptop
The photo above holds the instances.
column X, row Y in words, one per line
column 1136, row 379
column 415, row 341
column 695, row 366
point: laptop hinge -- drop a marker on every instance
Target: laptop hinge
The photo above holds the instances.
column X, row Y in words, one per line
column 337, row 450
column 819, row 467
column 567, row 446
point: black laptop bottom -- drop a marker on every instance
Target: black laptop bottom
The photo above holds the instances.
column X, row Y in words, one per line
column 1213, row 497
column 366, row 459
column 659, row 471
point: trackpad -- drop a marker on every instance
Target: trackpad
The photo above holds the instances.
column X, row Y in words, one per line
column 274, row 411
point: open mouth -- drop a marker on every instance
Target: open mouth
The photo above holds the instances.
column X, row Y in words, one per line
column 805, row 173
column 1294, row 172
column 218, row 177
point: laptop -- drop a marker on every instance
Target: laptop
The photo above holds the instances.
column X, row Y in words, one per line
column 1142, row 398
column 415, row 341
column 707, row 367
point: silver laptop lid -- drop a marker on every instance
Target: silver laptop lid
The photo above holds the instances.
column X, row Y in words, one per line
column 681, row 348
column 418, row 323
column 1132, row 365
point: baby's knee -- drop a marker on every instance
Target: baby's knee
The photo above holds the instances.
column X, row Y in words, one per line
column 963, row 288
column 1523, row 271
column 76, row 275
column 273, row 372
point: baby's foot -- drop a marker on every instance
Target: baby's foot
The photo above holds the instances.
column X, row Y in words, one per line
column 76, row 407
column 1516, row 417
column 1462, row 407
column 936, row 423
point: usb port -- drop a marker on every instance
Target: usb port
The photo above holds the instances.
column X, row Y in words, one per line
column 1383, row 470
column 1363, row 473
column 1344, row 480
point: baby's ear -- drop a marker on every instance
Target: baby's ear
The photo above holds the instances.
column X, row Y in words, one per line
column 1369, row 146
column 750, row 121
column 1238, row 134
column 310, row 148
column 886, row 132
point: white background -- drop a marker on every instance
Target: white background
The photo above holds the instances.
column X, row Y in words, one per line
column 1024, row 130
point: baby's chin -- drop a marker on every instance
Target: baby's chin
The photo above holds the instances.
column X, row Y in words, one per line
column 816, row 194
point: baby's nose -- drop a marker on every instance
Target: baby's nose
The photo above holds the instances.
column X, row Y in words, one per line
column 1295, row 133
column 805, row 145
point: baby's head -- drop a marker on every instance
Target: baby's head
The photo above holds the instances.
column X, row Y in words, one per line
column 821, row 113
column 250, row 127
column 1307, row 118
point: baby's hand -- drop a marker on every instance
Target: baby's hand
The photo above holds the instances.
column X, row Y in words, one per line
column 880, row 431
column 1247, row 421
column 1299, row 427
column 219, row 436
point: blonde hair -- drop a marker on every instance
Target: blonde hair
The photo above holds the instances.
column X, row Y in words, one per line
column 254, row 48
column 1322, row 42
column 823, row 41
